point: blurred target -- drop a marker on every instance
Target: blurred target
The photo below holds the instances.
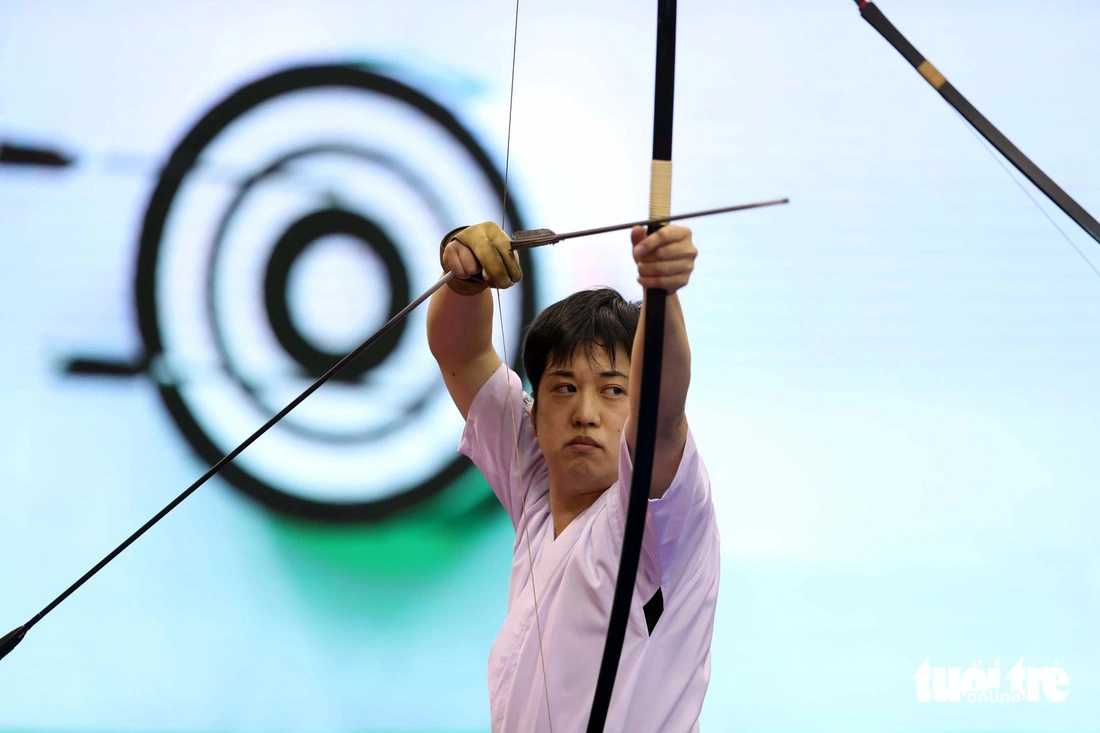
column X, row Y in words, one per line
column 247, row 290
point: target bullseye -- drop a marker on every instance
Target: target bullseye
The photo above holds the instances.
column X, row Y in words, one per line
column 337, row 293
column 301, row 235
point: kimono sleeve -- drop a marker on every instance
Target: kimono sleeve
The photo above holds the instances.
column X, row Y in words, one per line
column 681, row 527
column 498, row 439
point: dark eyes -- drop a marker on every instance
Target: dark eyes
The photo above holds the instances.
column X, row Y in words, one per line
column 611, row 389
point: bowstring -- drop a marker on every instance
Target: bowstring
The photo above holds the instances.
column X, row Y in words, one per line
column 504, row 349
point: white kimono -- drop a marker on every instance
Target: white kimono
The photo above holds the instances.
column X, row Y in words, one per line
column 662, row 677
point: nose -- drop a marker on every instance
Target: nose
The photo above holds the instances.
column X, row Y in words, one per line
column 586, row 412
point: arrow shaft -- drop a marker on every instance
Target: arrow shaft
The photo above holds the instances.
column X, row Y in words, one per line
column 539, row 242
column 238, row 450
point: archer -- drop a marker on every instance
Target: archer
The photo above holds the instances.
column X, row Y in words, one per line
column 560, row 464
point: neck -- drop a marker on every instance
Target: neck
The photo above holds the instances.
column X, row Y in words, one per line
column 565, row 508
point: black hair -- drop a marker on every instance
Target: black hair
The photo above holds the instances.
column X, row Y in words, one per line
column 588, row 320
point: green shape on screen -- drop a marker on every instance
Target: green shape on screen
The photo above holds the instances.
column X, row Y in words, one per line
column 420, row 542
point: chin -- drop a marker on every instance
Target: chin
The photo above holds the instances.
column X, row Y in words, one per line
column 583, row 471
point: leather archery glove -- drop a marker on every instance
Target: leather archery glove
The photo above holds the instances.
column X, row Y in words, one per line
column 480, row 256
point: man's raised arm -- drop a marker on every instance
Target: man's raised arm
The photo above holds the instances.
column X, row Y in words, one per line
column 665, row 260
column 460, row 317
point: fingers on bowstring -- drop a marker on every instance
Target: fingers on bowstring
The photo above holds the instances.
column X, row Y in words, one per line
column 511, row 263
column 505, row 261
column 493, row 249
column 459, row 259
column 468, row 262
column 503, row 270
column 493, row 269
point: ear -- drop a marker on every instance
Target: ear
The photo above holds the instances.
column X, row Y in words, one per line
column 534, row 419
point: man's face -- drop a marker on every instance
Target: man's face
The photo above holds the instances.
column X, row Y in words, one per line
column 580, row 410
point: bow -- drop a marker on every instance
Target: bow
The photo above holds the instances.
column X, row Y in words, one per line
column 653, row 313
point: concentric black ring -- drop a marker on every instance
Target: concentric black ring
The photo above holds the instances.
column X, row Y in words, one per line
column 296, row 240
column 278, row 167
column 183, row 161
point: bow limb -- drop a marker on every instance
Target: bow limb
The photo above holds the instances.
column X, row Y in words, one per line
column 650, row 388
column 978, row 121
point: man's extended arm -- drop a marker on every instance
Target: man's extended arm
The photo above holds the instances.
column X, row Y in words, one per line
column 665, row 260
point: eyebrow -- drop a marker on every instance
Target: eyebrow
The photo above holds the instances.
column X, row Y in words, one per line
column 572, row 375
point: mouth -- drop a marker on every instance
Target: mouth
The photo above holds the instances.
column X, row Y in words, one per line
column 583, row 443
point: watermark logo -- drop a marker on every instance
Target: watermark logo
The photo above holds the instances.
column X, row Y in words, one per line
column 978, row 683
